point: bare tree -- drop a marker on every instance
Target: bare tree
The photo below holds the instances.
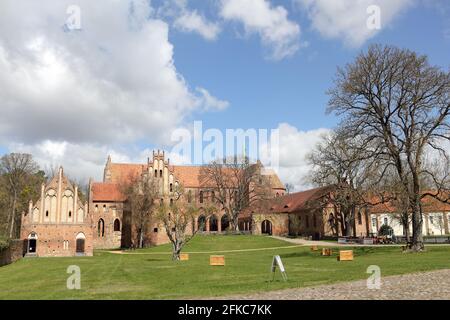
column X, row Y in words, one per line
column 177, row 217
column 237, row 184
column 142, row 194
column 399, row 107
column 16, row 168
column 338, row 161
column 289, row 187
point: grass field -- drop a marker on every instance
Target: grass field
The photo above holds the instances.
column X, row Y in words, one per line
column 150, row 273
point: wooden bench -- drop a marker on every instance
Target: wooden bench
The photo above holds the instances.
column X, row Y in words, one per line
column 327, row 252
column 217, row 260
column 345, row 255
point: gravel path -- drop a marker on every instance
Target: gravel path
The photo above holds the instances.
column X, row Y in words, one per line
column 304, row 242
column 434, row 285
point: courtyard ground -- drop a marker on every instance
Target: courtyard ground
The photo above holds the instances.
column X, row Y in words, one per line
column 150, row 273
column 432, row 285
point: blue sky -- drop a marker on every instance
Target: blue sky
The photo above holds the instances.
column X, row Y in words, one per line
column 120, row 83
column 263, row 93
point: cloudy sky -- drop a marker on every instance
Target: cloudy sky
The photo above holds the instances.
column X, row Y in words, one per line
column 136, row 70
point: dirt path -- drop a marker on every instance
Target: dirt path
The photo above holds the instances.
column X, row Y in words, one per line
column 205, row 252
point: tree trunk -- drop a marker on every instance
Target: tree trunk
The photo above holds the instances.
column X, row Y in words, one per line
column 417, row 237
column 141, row 238
column 405, row 223
column 348, row 224
column 176, row 251
column 13, row 215
column 235, row 223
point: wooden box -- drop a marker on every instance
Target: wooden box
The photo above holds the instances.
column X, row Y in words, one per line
column 327, row 252
column 345, row 255
column 216, row 260
column 184, row 257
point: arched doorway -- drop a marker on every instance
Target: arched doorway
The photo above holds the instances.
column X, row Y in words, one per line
column 213, row 224
column 81, row 239
column 117, row 225
column 201, row 222
column 266, row 227
column 32, row 243
column 225, row 222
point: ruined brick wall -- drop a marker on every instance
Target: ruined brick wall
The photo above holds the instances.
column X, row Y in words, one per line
column 279, row 221
column 107, row 224
column 12, row 253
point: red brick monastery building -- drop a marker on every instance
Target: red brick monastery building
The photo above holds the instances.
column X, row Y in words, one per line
column 59, row 224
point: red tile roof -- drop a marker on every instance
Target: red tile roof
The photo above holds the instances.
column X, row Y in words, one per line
column 297, row 201
column 107, row 192
column 429, row 205
column 189, row 176
column 124, row 171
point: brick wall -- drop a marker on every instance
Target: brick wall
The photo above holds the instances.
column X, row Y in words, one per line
column 12, row 253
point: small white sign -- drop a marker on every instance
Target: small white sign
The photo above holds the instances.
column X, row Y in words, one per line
column 277, row 262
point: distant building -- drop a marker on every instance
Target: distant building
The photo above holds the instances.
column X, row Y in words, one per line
column 309, row 213
column 112, row 217
column 58, row 224
column 436, row 218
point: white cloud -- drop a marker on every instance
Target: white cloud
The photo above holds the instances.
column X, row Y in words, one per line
column 294, row 146
column 113, row 81
column 210, row 102
column 347, row 19
column 279, row 34
column 192, row 21
column 189, row 21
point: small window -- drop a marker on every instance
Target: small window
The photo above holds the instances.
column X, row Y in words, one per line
column 190, row 196
column 201, row 196
column 431, row 219
column 96, row 208
column 173, row 229
column 171, row 202
column 171, row 187
column 385, row 221
column 155, row 230
column 374, row 222
column 70, row 214
column 156, row 173
column 101, row 228
column 104, row 208
column 213, row 196
column 160, row 173
column 46, row 213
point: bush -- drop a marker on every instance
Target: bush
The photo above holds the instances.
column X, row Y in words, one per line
column 385, row 230
column 3, row 243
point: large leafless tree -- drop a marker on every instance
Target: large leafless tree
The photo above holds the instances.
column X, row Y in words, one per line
column 177, row 217
column 142, row 196
column 398, row 105
column 236, row 184
column 340, row 162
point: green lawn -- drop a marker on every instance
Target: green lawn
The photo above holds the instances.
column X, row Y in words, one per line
column 150, row 273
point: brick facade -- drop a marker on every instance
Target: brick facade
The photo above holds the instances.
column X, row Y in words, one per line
column 58, row 224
